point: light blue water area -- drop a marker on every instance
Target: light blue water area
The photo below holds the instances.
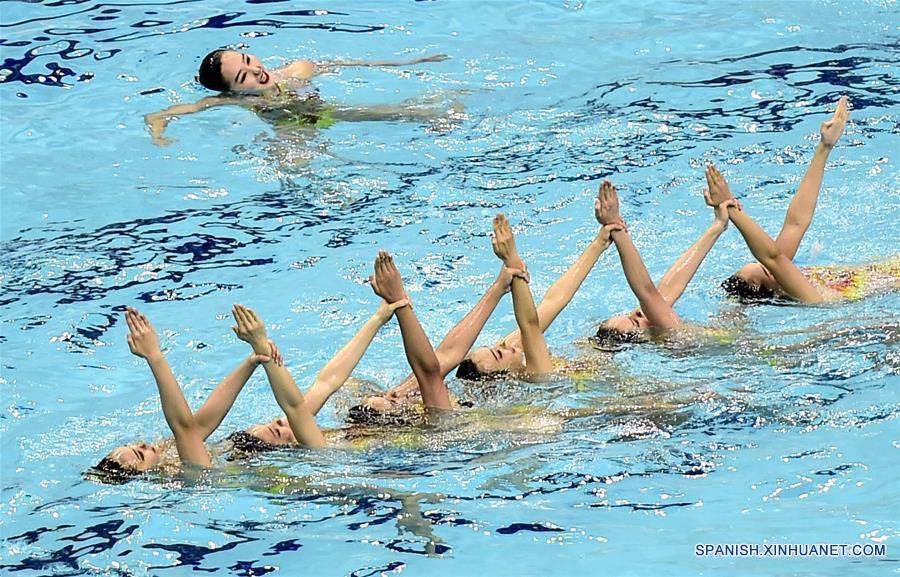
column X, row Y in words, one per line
column 786, row 433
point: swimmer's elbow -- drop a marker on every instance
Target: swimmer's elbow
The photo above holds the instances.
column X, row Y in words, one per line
column 771, row 255
column 431, row 368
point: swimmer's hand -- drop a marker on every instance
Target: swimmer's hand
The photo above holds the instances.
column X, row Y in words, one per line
column 721, row 211
column 606, row 207
column 506, row 276
column 607, row 229
column 250, row 329
column 157, row 123
column 386, row 310
column 832, row 129
column 504, row 243
column 432, row 58
column 387, row 282
column 718, row 191
column 142, row 339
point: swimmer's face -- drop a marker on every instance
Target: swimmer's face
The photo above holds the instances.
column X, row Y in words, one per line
column 276, row 432
column 139, row 457
column 756, row 275
column 244, row 72
column 633, row 321
column 498, row 358
column 379, row 404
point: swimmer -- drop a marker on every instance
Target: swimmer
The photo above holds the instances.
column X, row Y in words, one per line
column 400, row 404
column 298, row 426
column 775, row 273
column 507, row 355
column 780, row 277
column 535, row 354
column 283, row 96
column 190, row 430
column 388, row 284
column 655, row 313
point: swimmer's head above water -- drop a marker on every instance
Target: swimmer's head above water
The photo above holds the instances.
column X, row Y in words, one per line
column 751, row 284
column 125, row 462
column 489, row 362
column 233, row 71
column 622, row 329
column 276, row 433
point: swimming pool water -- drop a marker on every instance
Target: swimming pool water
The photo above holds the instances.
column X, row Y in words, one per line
column 788, row 434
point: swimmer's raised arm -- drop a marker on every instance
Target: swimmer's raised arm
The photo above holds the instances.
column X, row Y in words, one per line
column 158, row 121
column 252, row 330
column 322, row 67
column 537, row 357
column 764, row 249
column 144, row 343
column 210, row 415
column 388, row 284
column 679, row 275
column 800, row 212
column 560, row 294
column 340, row 367
column 654, row 306
column 457, row 343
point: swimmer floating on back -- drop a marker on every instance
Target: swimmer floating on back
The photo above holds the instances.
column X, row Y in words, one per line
column 282, row 96
column 775, row 274
column 508, row 355
column 655, row 312
column 779, row 276
column 190, row 430
column 299, row 424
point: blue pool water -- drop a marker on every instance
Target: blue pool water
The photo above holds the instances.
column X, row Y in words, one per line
column 787, row 434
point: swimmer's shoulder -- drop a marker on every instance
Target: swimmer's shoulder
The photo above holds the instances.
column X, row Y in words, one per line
column 301, row 69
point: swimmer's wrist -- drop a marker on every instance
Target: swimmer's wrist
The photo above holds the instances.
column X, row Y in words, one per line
column 402, row 303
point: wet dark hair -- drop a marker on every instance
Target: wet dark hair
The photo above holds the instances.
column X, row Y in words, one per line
column 609, row 339
column 745, row 292
column 110, row 472
column 469, row 371
column 248, row 444
column 210, row 73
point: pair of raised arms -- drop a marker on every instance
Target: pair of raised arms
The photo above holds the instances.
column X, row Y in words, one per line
column 192, row 429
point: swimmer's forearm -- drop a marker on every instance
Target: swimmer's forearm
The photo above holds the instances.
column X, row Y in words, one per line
column 422, row 360
column 537, row 357
column 158, row 121
column 758, row 241
column 210, row 415
column 654, row 306
column 177, row 413
column 291, row 401
column 633, row 266
column 560, row 294
column 334, row 374
column 386, row 63
column 680, row 274
column 460, row 339
column 175, row 408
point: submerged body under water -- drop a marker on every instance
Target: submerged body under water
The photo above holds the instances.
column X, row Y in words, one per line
column 777, row 428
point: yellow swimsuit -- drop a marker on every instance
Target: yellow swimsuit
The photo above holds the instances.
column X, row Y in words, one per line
column 295, row 107
column 854, row 283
